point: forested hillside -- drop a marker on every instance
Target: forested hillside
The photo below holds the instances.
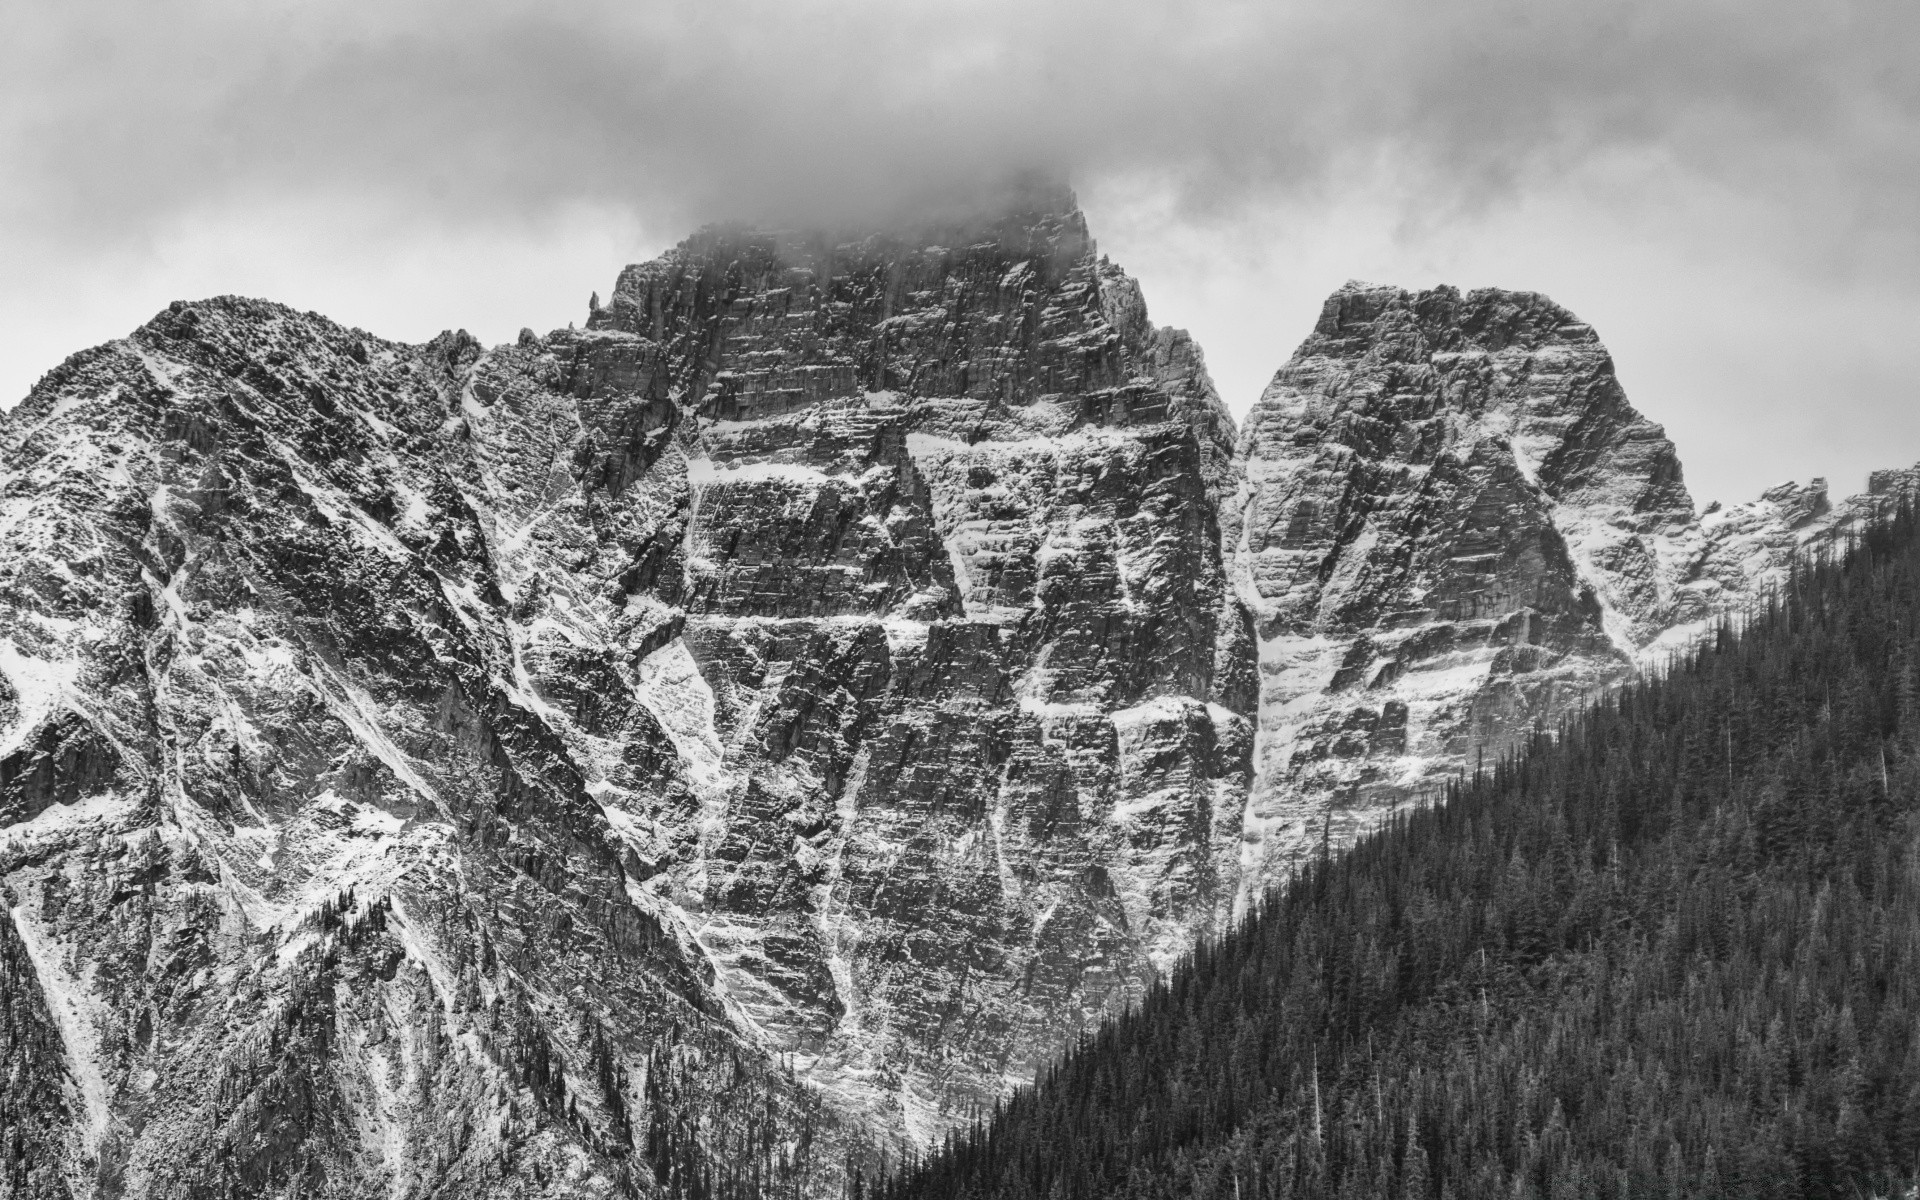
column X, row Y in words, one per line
column 1671, row 951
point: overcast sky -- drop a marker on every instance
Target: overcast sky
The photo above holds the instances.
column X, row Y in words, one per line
column 1729, row 191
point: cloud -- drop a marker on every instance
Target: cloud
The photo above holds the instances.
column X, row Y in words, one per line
column 123, row 115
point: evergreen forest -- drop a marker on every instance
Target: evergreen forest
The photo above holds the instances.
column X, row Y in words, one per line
column 1669, row 951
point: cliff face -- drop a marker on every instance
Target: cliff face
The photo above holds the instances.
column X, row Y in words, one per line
column 743, row 736
column 939, row 605
column 1451, row 525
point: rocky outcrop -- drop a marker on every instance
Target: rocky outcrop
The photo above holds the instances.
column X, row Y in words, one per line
column 1749, row 547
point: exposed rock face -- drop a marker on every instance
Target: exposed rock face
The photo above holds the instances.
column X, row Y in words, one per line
column 312, row 881
column 939, row 642
column 1451, row 522
column 556, row 768
column 1452, row 526
column 737, row 738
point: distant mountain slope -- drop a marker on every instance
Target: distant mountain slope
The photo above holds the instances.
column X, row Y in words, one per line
column 1673, row 952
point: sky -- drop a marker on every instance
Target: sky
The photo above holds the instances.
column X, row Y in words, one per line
column 1729, row 192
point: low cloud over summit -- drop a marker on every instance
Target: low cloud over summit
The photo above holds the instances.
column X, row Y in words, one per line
column 119, row 118
column 435, row 164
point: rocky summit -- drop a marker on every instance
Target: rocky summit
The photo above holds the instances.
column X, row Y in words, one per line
column 726, row 746
column 1449, row 527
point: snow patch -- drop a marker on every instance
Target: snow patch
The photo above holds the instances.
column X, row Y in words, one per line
column 673, row 690
column 704, row 472
column 61, row 819
column 40, row 687
column 904, row 633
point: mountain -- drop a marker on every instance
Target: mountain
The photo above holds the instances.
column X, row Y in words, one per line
column 945, row 645
column 306, row 888
column 751, row 734
column 1669, row 950
column 555, row 768
column 1451, row 527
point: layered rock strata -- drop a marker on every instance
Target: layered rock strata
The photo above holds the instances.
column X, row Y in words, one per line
column 944, row 639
